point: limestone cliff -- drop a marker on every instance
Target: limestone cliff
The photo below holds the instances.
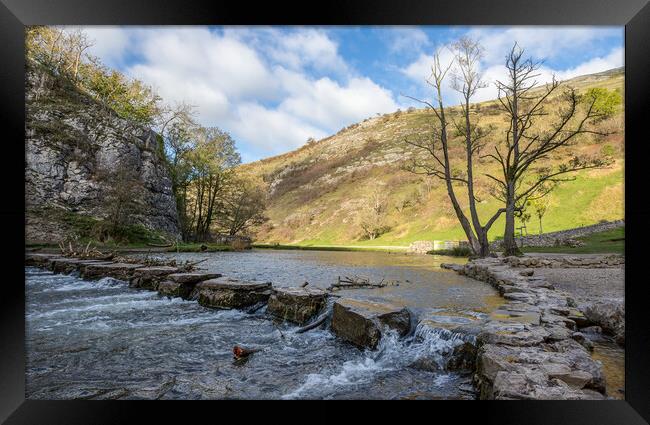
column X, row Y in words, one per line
column 70, row 141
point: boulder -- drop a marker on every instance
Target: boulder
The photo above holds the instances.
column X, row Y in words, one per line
column 120, row 271
column 298, row 305
column 174, row 289
column 610, row 316
column 149, row 277
column 463, row 357
column 361, row 322
column 228, row 293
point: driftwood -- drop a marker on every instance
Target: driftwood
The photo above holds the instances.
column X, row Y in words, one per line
column 314, row 324
column 358, row 282
column 304, row 284
column 256, row 307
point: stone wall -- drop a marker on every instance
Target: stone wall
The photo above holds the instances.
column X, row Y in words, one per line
column 70, row 141
column 560, row 237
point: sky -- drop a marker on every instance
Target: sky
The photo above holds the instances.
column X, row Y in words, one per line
column 272, row 88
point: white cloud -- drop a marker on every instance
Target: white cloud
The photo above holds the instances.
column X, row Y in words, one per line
column 307, row 47
column 614, row 59
column 539, row 42
column 253, row 84
column 328, row 104
column 272, row 131
column 411, row 39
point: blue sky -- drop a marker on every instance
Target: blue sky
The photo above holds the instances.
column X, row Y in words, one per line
column 272, row 88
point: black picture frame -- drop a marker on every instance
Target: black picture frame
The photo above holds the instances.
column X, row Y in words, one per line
column 16, row 14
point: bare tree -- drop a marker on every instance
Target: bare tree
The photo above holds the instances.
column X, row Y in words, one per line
column 525, row 151
column 372, row 218
column 466, row 80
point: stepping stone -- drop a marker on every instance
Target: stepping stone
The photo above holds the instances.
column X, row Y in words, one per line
column 39, row 260
column 361, row 322
column 182, row 284
column 68, row 265
column 297, row 305
column 121, row 271
column 228, row 293
column 149, row 277
column 192, row 278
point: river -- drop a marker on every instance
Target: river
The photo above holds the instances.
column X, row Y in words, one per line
column 102, row 339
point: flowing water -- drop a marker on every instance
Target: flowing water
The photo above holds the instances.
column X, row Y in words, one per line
column 102, row 339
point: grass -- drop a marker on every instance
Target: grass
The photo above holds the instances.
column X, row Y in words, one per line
column 329, row 248
column 196, row 247
column 454, row 252
column 607, row 242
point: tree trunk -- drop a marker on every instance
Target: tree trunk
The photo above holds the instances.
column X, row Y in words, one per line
column 509, row 242
column 484, row 249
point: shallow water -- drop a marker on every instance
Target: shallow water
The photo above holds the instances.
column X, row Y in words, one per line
column 101, row 339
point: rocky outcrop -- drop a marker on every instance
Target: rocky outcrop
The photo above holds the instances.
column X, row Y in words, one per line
column 73, row 146
column 298, row 305
column 362, row 322
column 228, row 293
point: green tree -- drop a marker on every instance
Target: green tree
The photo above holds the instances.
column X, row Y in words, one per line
column 540, row 206
column 211, row 160
column 242, row 207
column 606, row 102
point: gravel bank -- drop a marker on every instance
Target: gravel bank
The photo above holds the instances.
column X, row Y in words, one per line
column 587, row 285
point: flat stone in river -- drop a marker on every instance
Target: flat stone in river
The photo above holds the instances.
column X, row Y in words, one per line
column 121, row 271
column 296, row 305
column 149, row 277
column 39, row 259
column 361, row 322
column 192, row 278
column 182, row 284
column 68, row 265
column 228, row 293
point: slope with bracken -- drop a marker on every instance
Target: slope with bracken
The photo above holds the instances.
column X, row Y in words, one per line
column 321, row 193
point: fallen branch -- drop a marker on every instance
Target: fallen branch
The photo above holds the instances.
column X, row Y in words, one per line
column 314, row 324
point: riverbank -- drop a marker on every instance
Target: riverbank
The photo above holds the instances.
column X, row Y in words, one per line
column 555, row 345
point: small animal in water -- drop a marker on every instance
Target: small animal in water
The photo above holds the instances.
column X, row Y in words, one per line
column 304, row 284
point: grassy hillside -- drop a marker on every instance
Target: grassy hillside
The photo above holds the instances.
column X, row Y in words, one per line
column 318, row 192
